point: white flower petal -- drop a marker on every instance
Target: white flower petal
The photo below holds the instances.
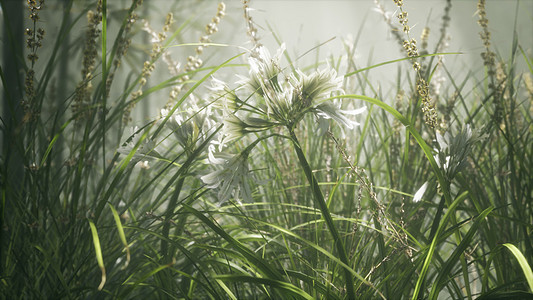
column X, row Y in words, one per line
column 420, row 192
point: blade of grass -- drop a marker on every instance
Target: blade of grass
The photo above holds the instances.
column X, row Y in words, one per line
column 98, row 251
column 397, row 60
column 104, row 78
column 263, row 265
column 319, row 201
column 444, row 273
column 280, row 285
column 522, row 261
column 121, row 234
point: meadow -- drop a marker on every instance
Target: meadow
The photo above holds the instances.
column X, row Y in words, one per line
column 189, row 151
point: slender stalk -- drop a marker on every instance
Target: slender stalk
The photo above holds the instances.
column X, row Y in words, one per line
column 104, row 77
column 166, row 275
column 168, row 215
column 319, row 199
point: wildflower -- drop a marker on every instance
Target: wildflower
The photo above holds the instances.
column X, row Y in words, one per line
column 288, row 98
column 220, row 90
column 319, row 84
column 231, row 178
column 190, row 127
column 332, row 111
column 264, row 70
column 234, row 127
column 453, row 150
column 252, row 31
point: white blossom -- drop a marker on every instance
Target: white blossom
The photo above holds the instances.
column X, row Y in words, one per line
column 230, row 178
column 418, row 195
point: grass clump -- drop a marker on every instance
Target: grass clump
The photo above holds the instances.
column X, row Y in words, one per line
column 247, row 175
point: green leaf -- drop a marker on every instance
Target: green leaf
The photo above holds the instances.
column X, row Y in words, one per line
column 262, row 264
column 280, row 285
column 510, row 295
column 446, row 270
column 121, row 234
column 396, row 60
column 526, row 268
column 98, row 250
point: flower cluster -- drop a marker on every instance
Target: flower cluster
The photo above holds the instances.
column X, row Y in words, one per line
column 424, row 36
column 191, row 126
column 430, row 114
column 283, row 100
column 123, row 43
column 446, row 18
column 453, row 151
column 194, row 62
column 273, row 99
column 489, row 60
column 488, row 56
column 252, row 31
column 402, row 18
column 82, row 100
column 33, row 42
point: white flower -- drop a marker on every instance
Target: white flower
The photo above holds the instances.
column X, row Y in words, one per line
column 190, row 127
column 224, row 96
column 331, row 111
column 453, row 151
column 418, row 195
column 231, row 179
column 234, row 128
column 264, row 70
column 261, row 63
column 283, row 100
column 319, row 84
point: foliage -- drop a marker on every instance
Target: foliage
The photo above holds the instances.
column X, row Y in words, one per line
column 282, row 181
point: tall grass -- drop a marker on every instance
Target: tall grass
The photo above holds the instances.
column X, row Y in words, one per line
column 271, row 184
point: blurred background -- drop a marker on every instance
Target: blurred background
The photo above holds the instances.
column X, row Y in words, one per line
column 301, row 25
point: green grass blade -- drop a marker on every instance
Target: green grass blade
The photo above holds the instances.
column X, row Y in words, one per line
column 526, row 268
column 397, row 60
column 320, row 202
column 52, row 142
column 98, row 251
column 226, row 289
column 257, row 261
column 442, row 278
column 285, row 287
column 121, row 234
column 431, row 250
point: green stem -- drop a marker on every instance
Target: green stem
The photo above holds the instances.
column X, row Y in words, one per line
column 104, row 77
column 436, row 169
column 168, row 215
column 319, row 199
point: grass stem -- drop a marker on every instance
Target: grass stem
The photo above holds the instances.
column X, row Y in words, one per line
column 321, row 203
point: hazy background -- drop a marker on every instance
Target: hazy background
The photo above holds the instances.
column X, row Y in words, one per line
column 301, row 25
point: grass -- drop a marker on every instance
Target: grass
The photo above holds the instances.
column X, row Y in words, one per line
column 260, row 187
